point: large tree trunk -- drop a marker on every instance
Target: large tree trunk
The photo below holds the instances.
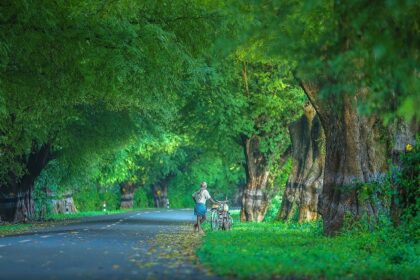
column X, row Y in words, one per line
column 19, row 206
column 305, row 181
column 355, row 155
column 16, row 196
column 254, row 197
column 64, row 204
column 160, row 192
column 127, row 195
column 404, row 134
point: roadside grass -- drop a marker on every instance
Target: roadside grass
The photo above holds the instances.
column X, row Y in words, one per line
column 291, row 250
column 70, row 216
column 10, row 229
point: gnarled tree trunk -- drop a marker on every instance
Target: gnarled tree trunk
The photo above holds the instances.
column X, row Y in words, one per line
column 63, row 205
column 355, row 155
column 254, row 197
column 127, row 195
column 16, row 196
column 160, row 192
column 305, row 181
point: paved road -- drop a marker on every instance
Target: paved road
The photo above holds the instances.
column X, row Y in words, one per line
column 121, row 246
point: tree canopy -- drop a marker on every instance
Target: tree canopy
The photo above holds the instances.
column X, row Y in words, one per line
column 150, row 98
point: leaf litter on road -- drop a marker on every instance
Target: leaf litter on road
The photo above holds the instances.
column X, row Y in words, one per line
column 174, row 252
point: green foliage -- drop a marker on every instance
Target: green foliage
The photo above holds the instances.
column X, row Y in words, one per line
column 223, row 181
column 82, row 214
column 45, row 185
column 104, row 84
column 278, row 190
column 400, row 184
column 14, row 229
column 274, row 103
column 81, row 76
column 376, row 193
column 229, row 107
column 89, row 198
column 356, row 45
column 137, row 160
column 409, row 181
column 143, row 198
column 242, row 96
column 140, row 91
column 270, row 250
column 143, row 91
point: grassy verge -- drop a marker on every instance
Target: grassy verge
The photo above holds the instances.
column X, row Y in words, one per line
column 277, row 250
column 70, row 216
column 9, row 229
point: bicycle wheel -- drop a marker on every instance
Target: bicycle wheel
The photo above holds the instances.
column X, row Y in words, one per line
column 229, row 222
column 214, row 220
column 224, row 223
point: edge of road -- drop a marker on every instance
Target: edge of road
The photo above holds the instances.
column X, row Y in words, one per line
column 39, row 226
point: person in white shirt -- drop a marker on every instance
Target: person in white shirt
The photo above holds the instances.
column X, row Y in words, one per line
column 200, row 209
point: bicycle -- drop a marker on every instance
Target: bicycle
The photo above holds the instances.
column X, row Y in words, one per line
column 220, row 217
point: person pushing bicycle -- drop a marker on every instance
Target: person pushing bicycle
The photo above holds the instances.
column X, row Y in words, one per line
column 200, row 209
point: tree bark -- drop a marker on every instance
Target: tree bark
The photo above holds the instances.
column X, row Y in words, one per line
column 355, row 155
column 160, row 192
column 305, row 181
column 16, row 196
column 254, row 197
column 127, row 195
column 64, row 205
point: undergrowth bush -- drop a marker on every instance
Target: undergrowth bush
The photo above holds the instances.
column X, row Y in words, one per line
column 279, row 186
column 143, row 198
column 91, row 199
column 408, row 180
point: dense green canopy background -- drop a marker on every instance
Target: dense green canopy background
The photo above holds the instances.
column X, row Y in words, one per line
column 132, row 104
column 144, row 92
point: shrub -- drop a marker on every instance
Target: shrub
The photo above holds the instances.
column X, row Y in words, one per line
column 143, row 198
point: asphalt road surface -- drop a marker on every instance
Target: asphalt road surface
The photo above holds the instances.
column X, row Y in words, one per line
column 121, row 246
